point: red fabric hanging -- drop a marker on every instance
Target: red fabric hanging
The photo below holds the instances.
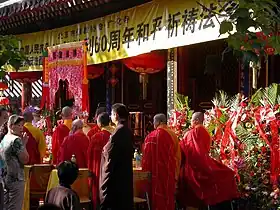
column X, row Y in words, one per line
column 4, row 101
column 95, row 71
column 28, row 76
column 148, row 63
column 3, row 86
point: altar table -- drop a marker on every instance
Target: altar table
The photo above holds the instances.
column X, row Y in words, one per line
column 26, row 201
column 141, row 184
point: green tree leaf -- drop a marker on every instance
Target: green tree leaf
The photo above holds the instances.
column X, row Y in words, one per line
column 226, row 27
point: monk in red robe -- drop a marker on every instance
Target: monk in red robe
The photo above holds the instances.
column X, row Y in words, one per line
column 36, row 145
column 95, row 128
column 75, row 144
column 161, row 157
column 97, row 142
column 61, row 132
column 203, row 180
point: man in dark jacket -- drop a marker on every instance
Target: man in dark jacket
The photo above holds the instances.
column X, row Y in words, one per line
column 116, row 174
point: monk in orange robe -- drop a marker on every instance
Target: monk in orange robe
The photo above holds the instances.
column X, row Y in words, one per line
column 36, row 145
column 203, row 180
column 162, row 157
column 61, row 132
column 95, row 128
column 75, row 144
column 97, row 142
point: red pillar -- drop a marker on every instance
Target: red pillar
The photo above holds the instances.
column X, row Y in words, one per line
column 26, row 94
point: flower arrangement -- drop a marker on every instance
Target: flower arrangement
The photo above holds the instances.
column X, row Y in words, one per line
column 181, row 116
column 45, row 124
column 245, row 136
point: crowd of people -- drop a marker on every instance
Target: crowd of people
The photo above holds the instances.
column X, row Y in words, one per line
column 182, row 172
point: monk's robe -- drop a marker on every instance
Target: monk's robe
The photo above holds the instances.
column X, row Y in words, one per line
column 86, row 128
column 75, row 144
column 94, row 130
column 58, row 136
column 97, row 142
column 203, row 180
column 116, row 173
column 36, row 145
column 161, row 157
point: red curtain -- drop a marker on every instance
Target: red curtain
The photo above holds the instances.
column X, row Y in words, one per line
column 148, row 63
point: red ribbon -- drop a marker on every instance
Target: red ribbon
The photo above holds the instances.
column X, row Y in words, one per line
column 274, row 144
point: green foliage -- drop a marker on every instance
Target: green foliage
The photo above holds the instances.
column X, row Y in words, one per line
column 10, row 53
column 269, row 95
column 182, row 103
column 249, row 17
column 222, row 99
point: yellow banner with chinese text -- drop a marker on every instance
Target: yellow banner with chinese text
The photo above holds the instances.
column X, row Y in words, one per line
column 160, row 24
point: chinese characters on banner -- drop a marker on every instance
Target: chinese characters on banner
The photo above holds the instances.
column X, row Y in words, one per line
column 152, row 26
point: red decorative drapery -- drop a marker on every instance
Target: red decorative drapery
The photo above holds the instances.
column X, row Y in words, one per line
column 95, row 71
column 148, row 63
column 68, row 62
column 28, row 76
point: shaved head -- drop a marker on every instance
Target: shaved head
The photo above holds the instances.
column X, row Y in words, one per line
column 28, row 116
column 66, row 113
column 197, row 118
column 77, row 125
column 159, row 119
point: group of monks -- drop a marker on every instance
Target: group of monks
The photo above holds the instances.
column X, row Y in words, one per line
column 76, row 139
column 181, row 172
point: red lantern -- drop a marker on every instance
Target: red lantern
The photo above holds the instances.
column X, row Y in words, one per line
column 269, row 50
column 4, row 101
column 145, row 64
column 148, row 63
column 3, row 86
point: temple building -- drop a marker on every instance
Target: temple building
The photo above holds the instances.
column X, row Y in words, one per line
column 138, row 52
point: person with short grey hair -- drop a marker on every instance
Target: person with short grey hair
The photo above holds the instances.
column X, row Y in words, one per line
column 76, row 144
column 162, row 158
column 14, row 155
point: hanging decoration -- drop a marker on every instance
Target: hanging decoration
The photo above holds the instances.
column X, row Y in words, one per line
column 68, row 62
column 113, row 81
column 145, row 64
